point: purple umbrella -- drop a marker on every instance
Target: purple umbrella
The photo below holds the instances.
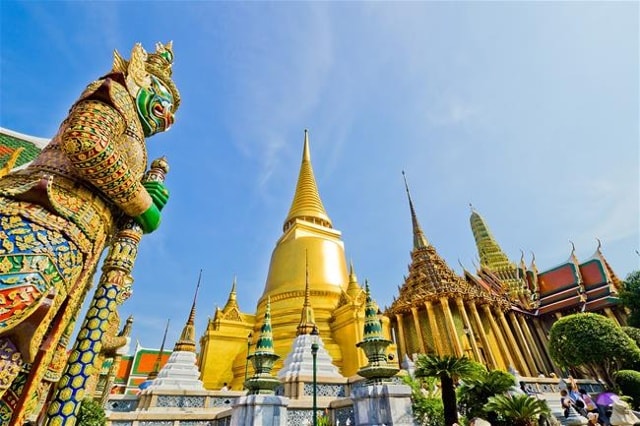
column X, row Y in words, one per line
column 606, row 398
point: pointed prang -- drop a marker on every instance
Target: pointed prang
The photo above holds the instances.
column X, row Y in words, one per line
column 307, row 317
column 187, row 340
column 306, row 204
column 491, row 255
column 156, row 366
column 419, row 240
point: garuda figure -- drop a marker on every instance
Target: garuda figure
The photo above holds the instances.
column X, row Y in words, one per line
column 58, row 214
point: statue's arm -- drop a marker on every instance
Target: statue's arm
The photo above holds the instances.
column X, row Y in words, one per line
column 89, row 141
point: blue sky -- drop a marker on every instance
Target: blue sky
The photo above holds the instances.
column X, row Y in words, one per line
column 530, row 111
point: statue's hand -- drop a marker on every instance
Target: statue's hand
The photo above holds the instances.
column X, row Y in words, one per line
column 158, row 192
column 149, row 220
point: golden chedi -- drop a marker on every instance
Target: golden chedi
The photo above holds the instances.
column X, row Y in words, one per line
column 309, row 248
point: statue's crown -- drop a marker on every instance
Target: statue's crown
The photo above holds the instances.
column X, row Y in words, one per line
column 159, row 64
column 142, row 64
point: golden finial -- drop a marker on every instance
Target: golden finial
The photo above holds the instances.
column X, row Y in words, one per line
column 306, row 203
column 599, row 244
column 187, row 340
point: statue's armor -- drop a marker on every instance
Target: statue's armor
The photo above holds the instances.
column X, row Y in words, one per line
column 56, row 216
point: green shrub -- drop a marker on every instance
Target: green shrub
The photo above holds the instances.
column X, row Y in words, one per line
column 629, row 383
column 91, row 413
column 426, row 401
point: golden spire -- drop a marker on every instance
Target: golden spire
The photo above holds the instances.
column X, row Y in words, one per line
column 419, row 240
column 353, row 289
column 187, row 340
column 491, row 255
column 307, row 204
column 156, row 366
column 232, row 301
column 307, row 318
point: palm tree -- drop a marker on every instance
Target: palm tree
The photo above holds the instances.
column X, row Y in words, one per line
column 448, row 369
column 519, row 409
column 473, row 394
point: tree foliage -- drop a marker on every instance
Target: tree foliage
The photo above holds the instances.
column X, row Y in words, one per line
column 634, row 333
column 630, row 297
column 517, row 410
column 91, row 413
column 474, row 393
column 448, row 369
column 426, row 401
column 592, row 341
column 628, row 381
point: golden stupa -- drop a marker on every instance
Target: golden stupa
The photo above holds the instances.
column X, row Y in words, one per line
column 309, row 250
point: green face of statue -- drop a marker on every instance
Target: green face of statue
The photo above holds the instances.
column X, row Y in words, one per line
column 155, row 107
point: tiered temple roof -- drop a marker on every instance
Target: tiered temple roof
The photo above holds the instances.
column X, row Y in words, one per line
column 431, row 278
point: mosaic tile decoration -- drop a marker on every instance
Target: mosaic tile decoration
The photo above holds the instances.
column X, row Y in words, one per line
column 345, row 413
column 180, row 401
column 324, row 389
column 122, row 405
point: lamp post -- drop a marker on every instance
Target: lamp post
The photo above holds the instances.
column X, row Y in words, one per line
column 314, row 354
column 246, row 365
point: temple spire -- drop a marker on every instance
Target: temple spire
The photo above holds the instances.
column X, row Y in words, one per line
column 232, row 301
column 353, row 289
column 156, row 366
column 419, row 240
column 307, row 318
column 491, row 255
column 187, row 340
column 307, row 204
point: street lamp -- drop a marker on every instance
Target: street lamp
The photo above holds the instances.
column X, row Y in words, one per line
column 314, row 354
column 246, row 365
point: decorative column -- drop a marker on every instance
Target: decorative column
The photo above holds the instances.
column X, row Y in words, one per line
column 542, row 335
column 483, row 336
column 457, row 347
column 471, row 336
column 611, row 315
column 522, row 364
column 261, row 406
column 543, row 367
column 496, row 331
column 401, row 338
column 433, row 324
column 114, row 284
column 529, row 357
column 379, row 401
column 416, row 323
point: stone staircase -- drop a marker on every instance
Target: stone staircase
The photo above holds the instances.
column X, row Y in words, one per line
column 548, row 389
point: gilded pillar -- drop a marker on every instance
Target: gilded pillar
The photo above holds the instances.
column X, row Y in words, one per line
column 522, row 366
column 433, row 325
column 524, row 325
column 542, row 335
column 457, row 347
column 471, row 335
column 496, row 331
column 483, row 336
column 558, row 315
column 401, row 339
column 611, row 315
column 416, row 323
column 524, row 346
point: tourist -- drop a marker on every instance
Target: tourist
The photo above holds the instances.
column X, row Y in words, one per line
column 224, row 387
column 592, row 419
column 565, row 402
column 589, row 403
